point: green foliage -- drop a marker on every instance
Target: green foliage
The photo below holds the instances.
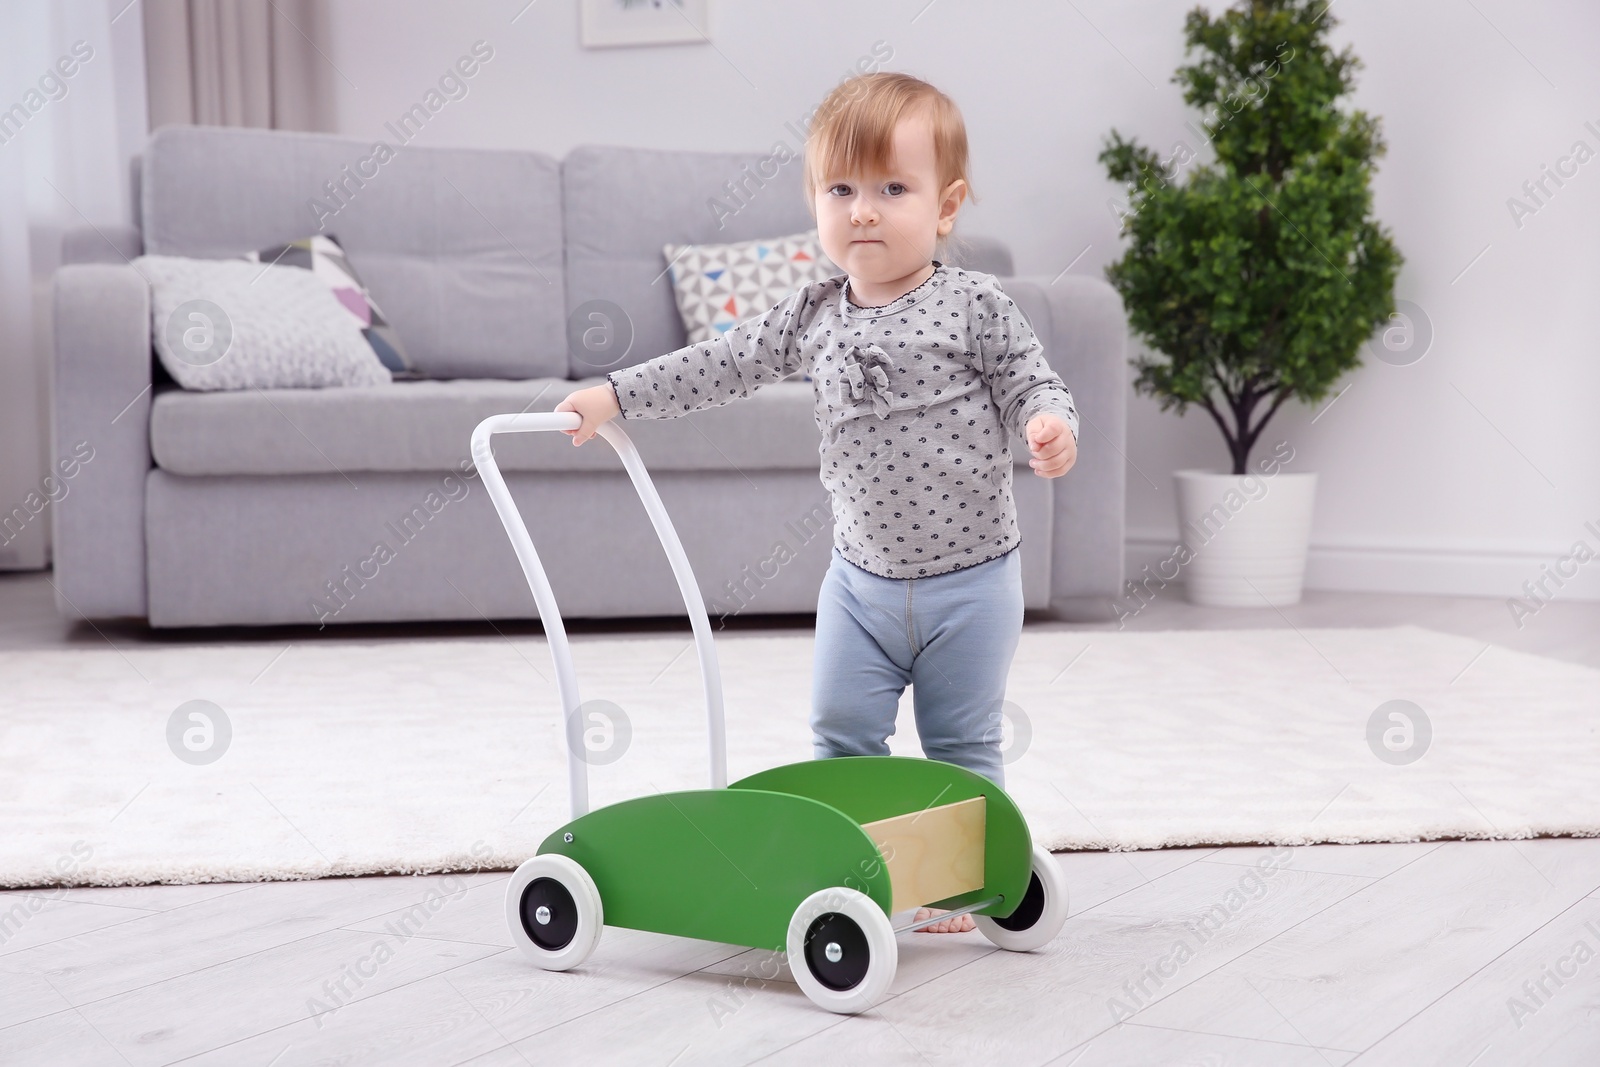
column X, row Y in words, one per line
column 1259, row 276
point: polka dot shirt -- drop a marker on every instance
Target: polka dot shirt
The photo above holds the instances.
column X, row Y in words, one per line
column 916, row 400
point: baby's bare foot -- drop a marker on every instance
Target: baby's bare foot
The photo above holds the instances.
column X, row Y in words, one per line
column 959, row 925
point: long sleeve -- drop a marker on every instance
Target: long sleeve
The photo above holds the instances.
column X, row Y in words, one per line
column 1022, row 381
column 749, row 355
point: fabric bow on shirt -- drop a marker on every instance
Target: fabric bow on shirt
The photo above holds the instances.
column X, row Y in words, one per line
column 866, row 367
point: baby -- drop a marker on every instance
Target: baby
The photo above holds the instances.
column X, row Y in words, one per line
column 922, row 373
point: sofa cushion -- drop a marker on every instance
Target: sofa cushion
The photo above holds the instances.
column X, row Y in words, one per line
column 461, row 247
column 427, row 426
column 622, row 205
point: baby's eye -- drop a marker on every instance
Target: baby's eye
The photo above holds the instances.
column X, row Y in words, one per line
column 837, row 187
column 892, row 186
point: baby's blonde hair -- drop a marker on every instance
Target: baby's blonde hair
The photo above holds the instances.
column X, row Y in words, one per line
column 852, row 132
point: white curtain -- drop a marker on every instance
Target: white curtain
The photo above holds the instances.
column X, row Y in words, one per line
column 71, row 117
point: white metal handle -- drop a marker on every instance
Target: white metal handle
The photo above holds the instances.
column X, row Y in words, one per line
column 550, row 615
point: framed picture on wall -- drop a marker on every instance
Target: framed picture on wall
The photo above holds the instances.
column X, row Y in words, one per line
column 609, row 23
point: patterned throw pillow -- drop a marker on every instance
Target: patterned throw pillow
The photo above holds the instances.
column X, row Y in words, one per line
column 719, row 286
column 323, row 256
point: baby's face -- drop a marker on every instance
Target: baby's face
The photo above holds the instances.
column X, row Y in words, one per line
column 881, row 229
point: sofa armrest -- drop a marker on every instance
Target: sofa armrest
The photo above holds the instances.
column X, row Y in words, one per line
column 1084, row 330
column 101, row 384
column 110, row 243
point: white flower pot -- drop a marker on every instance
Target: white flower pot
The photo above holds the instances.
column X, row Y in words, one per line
column 1245, row 535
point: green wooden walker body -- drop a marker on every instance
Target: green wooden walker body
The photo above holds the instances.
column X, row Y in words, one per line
column 731, row 864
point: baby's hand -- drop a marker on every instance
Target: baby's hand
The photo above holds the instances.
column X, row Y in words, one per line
column 1051, row 442
column 597, row 405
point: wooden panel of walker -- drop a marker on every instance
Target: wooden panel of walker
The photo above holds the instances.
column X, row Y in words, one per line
column 932, row 854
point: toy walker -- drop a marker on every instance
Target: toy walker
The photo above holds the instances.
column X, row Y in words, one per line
column 809, row 859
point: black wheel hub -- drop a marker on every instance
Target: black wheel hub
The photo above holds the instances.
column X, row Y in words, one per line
column 549, row 914
column 836, row 951
column 1029, row 910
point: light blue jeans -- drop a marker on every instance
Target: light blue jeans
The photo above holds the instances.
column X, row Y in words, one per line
column 950, row 637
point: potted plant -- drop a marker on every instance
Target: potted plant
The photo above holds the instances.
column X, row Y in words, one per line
column 1254, row 277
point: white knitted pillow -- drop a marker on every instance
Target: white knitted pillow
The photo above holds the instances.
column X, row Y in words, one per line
column 719, row 286
column 231, row 324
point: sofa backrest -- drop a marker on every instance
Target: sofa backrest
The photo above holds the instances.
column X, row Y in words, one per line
column 623, row 204
column 461, row 248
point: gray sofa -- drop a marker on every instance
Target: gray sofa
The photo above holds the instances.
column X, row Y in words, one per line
column 344, row 505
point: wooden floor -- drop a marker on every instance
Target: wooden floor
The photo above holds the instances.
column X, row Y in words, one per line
column 1460, row 953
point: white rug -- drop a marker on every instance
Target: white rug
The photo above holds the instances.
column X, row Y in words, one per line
column 350, row 758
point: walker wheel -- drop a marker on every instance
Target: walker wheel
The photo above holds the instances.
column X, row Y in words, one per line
column 1038, row 918
column 553, row 909
column 842, row 950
